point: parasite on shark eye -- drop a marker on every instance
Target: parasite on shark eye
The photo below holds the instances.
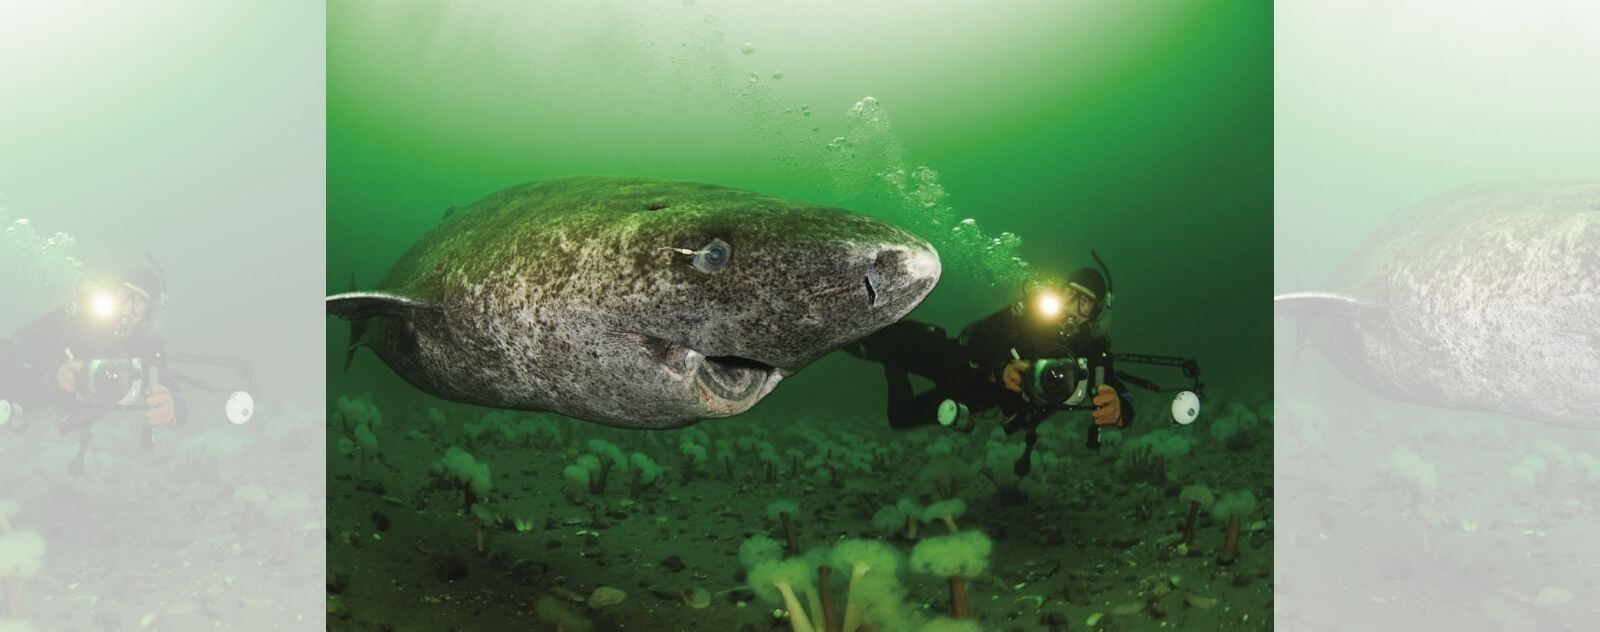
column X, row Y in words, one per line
column 714, row 257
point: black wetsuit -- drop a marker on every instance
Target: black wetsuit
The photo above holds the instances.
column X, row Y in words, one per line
column 39, row 349
column 969, row 369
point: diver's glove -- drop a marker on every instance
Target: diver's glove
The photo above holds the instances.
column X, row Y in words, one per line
column 163, row 409
column 1107, row 407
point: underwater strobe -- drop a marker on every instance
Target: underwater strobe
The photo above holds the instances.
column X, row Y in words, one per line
column 1185, row 408
column 955, row 416
column 10, row 415
column 240, row 406
column 1186, row 404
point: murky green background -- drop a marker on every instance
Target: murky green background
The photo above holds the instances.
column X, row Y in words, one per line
column 1140, row 130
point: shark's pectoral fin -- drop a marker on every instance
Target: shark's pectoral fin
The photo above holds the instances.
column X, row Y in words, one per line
column 357, row 307
column 1308, row 306
column 364, row 305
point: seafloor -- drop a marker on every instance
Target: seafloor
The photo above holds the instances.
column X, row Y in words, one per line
column 1088, row 541
column 208, row 527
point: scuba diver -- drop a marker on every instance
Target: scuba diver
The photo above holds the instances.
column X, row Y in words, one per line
column 1043, row 354
column 96, row 355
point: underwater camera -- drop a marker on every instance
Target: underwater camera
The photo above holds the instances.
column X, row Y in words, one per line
column 125, row 383
column 1062, row 383
column 116, row 382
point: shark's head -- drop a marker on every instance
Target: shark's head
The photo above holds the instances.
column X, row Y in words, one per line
column 731, row 291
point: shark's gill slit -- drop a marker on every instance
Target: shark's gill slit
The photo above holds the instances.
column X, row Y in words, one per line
column 872, row 290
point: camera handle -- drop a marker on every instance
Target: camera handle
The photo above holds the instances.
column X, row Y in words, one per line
column 147, row 436
column 1024, row 463
column 1093, row 440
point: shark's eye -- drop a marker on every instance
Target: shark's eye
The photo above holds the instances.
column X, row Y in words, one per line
column 714, row 257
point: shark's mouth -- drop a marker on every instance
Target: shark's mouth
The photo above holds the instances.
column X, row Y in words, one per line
column 731, row 384
column 725, row 384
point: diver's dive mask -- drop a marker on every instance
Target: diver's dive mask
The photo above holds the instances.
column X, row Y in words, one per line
column 122, row 308
column 134, row 311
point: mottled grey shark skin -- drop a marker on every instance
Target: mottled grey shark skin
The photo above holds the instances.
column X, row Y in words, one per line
column 1485, row 298
column 564, row 296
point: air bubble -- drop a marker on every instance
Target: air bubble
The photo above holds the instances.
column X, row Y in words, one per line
column 749, row 48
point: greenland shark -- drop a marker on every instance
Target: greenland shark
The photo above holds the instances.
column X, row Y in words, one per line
column 633, row 302
column 1485, row 298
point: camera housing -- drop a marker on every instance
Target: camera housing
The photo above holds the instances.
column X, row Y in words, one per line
column 1065, row 382
column 117, row 382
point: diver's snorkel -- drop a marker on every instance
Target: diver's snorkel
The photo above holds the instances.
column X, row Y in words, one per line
column 158, row 303
column 1102, row 316
column 1105, row 272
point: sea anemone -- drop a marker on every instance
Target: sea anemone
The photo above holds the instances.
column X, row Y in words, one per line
column 946, row 473
column 957, row 557
column 21, row 555
column 1234, row 506
column 943, row 624
column 882, row 603
column 472, row 475
column 913, row 513
column 889, row 520
column 757, row 549
column 358, row 411
column 484, row 518
column 1242, row 503
column 577, row 477
column 946, row 510
column 645, row 472
column 596, row 470
column 1199, row 497
column 696, row 454
column 769, row 459
column 782, row 511
column 610, row 458
column 369, row 445
column 1233, row 428
column 286, row 510
column 860, row 557
column 777, row 581
column 821, row 598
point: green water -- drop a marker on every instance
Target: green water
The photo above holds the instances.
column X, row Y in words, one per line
column 1139, row 130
